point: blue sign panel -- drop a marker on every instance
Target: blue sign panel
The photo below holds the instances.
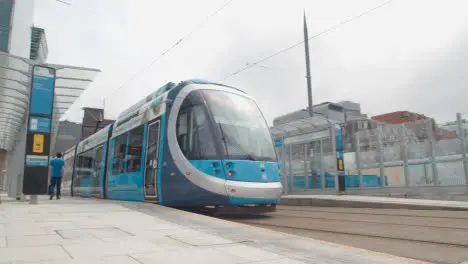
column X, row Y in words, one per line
column 41, row 100
column 39, row 124
column 339, row 138
column 42, row 91
column 36, row 160
column 278, row 143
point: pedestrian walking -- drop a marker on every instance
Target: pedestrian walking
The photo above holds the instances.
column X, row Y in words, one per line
column 57, row 165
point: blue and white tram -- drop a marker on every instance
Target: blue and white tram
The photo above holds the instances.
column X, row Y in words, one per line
column 89, row 175
column 192, row 144
column 69, row 158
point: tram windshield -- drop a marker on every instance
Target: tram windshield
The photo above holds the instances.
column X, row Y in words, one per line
column 243, row 127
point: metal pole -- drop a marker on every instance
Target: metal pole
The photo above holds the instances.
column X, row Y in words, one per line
column 432, row 143
column 33, row 199
column 404, row 144
column 381, row 155
column 335, row 169
column 290, row 169
column 283, row 168
column 358, row 159
column 322, row 170
column 308, row 76
column 306, row 168
column 462, row 137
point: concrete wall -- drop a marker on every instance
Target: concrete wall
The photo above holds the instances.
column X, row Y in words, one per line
column 3, row 159
column 3, row 165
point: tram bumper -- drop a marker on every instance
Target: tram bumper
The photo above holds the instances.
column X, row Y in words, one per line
column 254, row 190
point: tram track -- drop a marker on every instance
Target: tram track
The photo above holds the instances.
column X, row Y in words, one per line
column 372, row 211
column 433, row 236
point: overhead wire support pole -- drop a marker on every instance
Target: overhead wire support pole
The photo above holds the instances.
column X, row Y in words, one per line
column 308, row 76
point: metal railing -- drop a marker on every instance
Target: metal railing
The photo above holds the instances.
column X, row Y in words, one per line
column 380, row 156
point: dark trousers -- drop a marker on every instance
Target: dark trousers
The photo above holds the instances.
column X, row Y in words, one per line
column 55, row 182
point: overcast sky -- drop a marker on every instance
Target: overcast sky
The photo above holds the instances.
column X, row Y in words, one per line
column 408, row 55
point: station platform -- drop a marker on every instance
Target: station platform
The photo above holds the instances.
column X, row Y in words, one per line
column 74, row 230
column 355, row 201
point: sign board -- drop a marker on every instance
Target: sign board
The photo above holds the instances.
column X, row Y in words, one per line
column 38, row 143
column 36, row 167
column 42, row 91
column 39, row 124
column 36, row 160
column 339, row 138
column 278, row 143
column 340, row 158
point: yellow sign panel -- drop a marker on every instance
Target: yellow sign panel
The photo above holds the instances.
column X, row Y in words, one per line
column 38, row 143
column 340, row 165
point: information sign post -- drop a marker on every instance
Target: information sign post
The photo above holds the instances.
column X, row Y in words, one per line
column 38, row 139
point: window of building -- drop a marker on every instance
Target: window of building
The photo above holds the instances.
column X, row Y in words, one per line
column 118, row 164
column 404, row 115
column 134, row 149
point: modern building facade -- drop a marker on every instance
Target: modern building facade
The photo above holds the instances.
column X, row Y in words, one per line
column 347, row 113
column 340, row 112
column 16, row 23
column 16, row 20
column 22, row 46
column 453, row 126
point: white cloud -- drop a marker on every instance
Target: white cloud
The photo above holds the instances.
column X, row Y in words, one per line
column 408, row 55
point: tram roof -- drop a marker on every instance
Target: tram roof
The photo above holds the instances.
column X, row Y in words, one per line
column 165, row 89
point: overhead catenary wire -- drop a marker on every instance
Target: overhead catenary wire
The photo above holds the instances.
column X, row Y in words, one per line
column 256, row 63
column 70, row 4
column 165, row 52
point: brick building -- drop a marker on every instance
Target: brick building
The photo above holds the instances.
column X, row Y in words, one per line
column 399, row 117
column 71, row 133
column 416, row 122
column 93, row 121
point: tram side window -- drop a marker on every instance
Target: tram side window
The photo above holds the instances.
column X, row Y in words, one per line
column 97, row 165
column 67, row 169
column 87, row 164
column 78, row 170
column 134, row 149
column 119, row 155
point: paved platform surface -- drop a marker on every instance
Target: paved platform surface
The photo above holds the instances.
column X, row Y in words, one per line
column 372, row 202
column 97, row 231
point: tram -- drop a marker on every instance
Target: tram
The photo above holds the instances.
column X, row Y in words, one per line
column 193, row 144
